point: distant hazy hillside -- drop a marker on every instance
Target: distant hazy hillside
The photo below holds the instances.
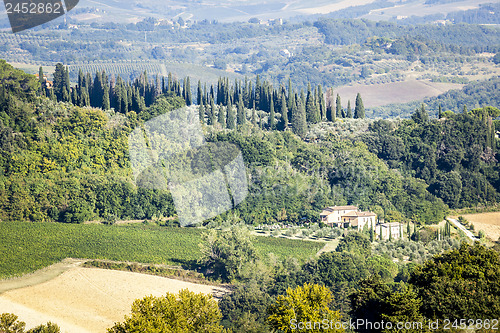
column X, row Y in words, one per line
column 234, row 10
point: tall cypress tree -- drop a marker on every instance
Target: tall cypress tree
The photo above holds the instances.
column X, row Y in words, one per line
column 116, row 100
column 96, row 97
column 65, row 95
column 359, row 109
column 201, row 113
column 493, row 137
column 291, row 96
column 349, row 110
column 130, row 97
column 284, row 113
column 221, row 116
column 331, row 113
column 211, row 116
column 272, row 120
column 105, row 98
column 440, row 112
column 257, row 92
column 67, row 84
column 254, row 117
column 241, row 111
column 187, row 89
column 85, row 98
column 199, row 96
column 205, row 97
column 124, row 101
column 81, row 87
column 58, row 78
column 302, row 98
column 246, row 97
column 40, row 75
column 310, row 107
column 338, row 107
column 170, row 83
column 41, row 79
column 322, row 104
column 74, row 96
column 299, row 122
column 231, row 118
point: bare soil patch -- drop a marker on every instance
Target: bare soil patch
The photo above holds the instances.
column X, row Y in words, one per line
column 333, row 7
column 330, row 246
column 394, row 92
column 89, row 299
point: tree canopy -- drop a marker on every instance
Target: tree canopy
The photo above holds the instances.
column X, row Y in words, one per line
column 185, row 312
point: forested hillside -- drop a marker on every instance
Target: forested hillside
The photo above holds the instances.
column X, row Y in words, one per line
column 330, row 52
column 70, row 163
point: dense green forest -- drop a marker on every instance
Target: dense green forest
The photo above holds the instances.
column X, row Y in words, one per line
column 69, row 163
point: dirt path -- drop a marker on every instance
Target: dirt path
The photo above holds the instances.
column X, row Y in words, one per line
column 329, row 247
column 461, row 227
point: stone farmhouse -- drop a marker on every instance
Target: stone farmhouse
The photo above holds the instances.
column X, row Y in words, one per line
column 352, row 217
column 392, row 230
column 347, row 217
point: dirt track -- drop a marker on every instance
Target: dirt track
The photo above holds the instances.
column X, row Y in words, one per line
column 85, row 300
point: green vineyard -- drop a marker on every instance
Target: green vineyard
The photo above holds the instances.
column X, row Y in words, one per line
column 26, row 247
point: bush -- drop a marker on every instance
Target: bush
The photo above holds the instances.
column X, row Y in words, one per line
column 482, row 234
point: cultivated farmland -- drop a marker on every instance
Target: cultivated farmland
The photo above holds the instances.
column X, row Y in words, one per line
column 27, row 247
column 395, row 92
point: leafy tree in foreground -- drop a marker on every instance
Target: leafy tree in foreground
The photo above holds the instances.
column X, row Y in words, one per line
column 374, row 301
column 10, row 324
column 309, row 303
column 225, row 253
column 47, row 328
column 244, row 309
column 463, row 283
column 186, row 312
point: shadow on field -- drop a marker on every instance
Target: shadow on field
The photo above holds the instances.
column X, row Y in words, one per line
column 191, row 265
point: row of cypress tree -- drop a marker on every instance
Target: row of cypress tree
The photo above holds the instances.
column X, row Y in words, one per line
column 222, row 103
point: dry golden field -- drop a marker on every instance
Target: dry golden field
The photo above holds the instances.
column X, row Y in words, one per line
column 87, row 300
column 488, row 222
